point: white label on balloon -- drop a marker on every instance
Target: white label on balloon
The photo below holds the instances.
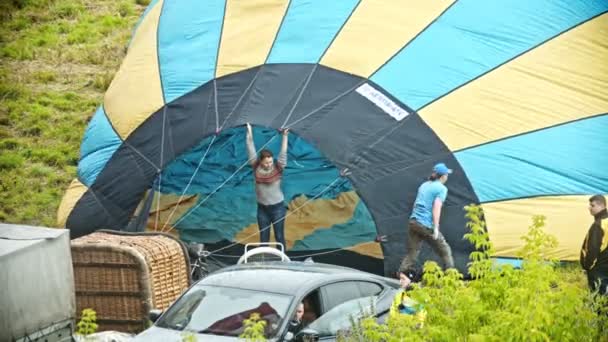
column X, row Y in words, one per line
column 383, row 102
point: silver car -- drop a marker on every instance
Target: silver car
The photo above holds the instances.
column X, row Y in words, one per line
column 214, row 308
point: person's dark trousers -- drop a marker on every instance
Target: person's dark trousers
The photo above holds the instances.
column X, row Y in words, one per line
column 598, row 282
column 272, row 214
column 418, row 233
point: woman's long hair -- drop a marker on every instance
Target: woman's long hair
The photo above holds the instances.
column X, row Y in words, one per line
column 265, row 154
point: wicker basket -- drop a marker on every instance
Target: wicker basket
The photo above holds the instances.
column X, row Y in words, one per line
column 123, row 275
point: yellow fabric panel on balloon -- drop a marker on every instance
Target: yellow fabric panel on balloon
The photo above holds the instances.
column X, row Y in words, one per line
column 364, row 43
column 567, row 219
column 136, row 93
column 247, row 34
column 69, row 200
column 533, row 91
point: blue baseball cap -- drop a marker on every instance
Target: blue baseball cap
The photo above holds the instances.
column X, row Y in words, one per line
column 441, row 169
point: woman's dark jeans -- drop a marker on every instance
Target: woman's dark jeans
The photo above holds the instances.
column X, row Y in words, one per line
column 272, row 214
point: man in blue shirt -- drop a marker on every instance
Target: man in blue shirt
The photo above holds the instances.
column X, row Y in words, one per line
column 424, row 220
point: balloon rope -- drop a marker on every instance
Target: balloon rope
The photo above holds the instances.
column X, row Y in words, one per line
column 282, row 218
column 220, row 186
column 189, row 183
column 325, row 104
column 301, row 256
column 218, row 129
column 217, row 115
column 241, row 98
column 156, row 167
column 329, row 252
column 300, row 95
column 160, row 174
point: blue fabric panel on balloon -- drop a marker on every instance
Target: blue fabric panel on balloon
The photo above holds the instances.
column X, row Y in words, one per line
column 98, row 145
column 471, row 38
column 541, row 163
column 359, row 229
column 308, row 28
column 188, row 37
column 233, row 206
column 221, row 217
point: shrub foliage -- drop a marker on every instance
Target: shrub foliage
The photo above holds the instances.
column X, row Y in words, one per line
column 500, row 303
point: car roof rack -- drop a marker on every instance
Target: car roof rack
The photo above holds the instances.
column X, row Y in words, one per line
column 263, row 251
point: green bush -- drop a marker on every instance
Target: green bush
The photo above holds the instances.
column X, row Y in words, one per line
column 188, row 336
column 254, row 328
column 87, row 324
column 499, row 303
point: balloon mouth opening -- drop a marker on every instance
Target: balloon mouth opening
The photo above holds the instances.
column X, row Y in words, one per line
column 207, row 195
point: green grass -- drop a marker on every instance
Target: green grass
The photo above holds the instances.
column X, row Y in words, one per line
column 57, row 58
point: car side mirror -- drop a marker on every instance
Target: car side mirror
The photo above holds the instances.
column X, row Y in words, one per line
column 154, row 314
column 307, row 335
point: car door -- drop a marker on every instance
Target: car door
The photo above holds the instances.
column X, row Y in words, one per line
column 342, row 301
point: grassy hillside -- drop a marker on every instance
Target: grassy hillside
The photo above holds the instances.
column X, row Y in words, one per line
column 57, row 57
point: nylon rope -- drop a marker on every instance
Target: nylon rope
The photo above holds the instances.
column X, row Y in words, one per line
column 241, row 98
column 160, row 174
column 189, row 183
column 300, row 95
column 220, row 186
column 302, row 256
column 102, row 206
column 209, row 147
column 329, row 252
column 325, row 104
column 282, row 218
column 217, row 119
column 243, row 165
column 141, row 155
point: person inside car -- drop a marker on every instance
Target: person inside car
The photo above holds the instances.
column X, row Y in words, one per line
column 295, row 325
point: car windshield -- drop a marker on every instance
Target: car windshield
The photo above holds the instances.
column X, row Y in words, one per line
column 221, row 310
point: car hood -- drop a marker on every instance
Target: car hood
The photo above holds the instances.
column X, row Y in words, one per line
column 154, row 334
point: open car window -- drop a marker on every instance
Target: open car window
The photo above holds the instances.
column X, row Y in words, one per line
column 220, row 310
column 339, row 317
column 340, row 292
